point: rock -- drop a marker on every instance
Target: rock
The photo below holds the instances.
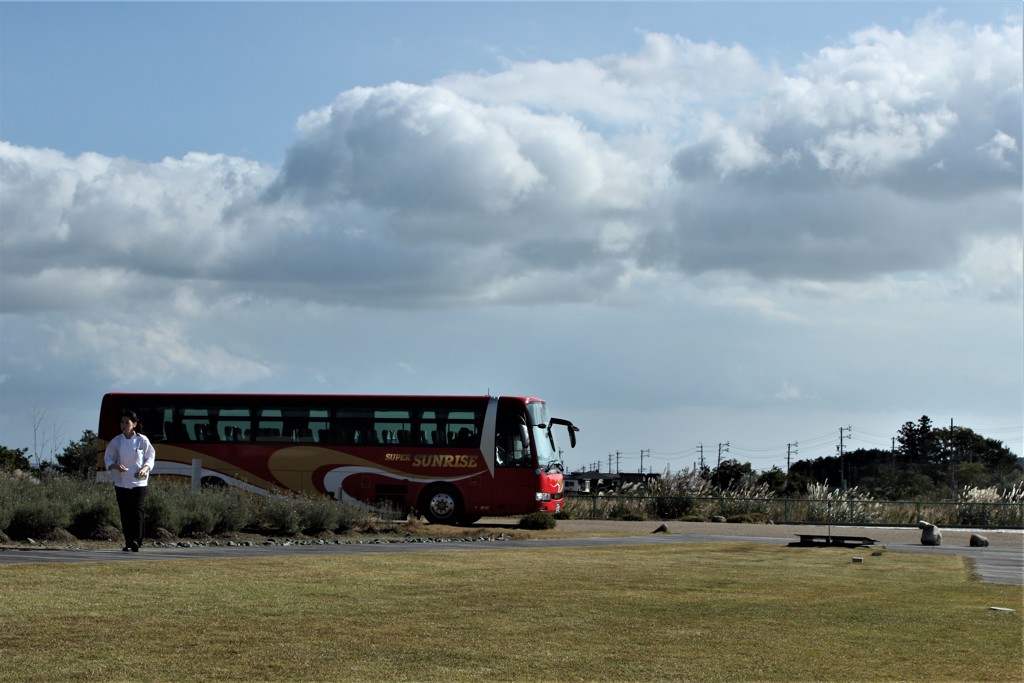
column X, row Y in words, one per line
column 930, row 534
column 719, row 519
column 661, row 530
column 978, row 541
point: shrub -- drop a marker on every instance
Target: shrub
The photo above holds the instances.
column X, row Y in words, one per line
column 37, row 515
column 317, row 514
column 199, row 517
column 10, row 492
column 161, row 511
column 354, row 517
column 627, row 510
column 235, row 509
column 990, row 506
column 747, row 518
column 671, row 506
column 279, row 514
column 537, row 521
column 575, row 506
column 848, row 507
column 93, row 512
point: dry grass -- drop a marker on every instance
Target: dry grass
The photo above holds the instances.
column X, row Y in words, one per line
column 705, row 612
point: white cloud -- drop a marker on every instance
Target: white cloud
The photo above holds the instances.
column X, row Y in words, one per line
column 992, row 269
column 883, row 154
column 679, row 226
column 159, row 353
column 1002, row 149
column 788, row 392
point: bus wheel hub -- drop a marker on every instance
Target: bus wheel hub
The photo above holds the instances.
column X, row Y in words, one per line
column 442, row 505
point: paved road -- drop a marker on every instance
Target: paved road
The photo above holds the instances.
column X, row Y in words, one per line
column 993, row 564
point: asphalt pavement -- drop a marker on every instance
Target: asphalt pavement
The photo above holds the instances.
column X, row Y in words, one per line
column 1004, row 565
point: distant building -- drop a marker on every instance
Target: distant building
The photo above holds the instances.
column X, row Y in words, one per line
column 595, row 481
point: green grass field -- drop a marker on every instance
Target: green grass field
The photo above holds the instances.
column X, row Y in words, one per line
column 728, row 611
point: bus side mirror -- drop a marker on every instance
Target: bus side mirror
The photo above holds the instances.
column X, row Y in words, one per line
column 570, row 426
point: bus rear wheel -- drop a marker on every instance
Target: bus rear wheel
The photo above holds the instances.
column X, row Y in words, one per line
column 441, row 504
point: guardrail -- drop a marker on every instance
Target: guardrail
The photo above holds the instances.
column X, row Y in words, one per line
column 794, row 510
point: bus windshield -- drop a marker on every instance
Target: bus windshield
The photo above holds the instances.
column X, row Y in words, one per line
column 543, row 437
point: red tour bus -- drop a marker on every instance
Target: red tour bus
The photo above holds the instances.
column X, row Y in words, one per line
column 452, row 459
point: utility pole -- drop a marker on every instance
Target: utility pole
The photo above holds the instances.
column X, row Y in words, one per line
column 642, row 459
column 790, row 451
column 700, row 449
column 952, row 458
column 618, row 454
column 718, row 474
column 609, row 462
column 842, row 472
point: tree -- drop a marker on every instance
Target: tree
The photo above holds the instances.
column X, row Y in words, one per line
column 79, row 458
column 918, row 443
column 775, row 479
column 963, row 450
column 13, row 459
column 730, row 472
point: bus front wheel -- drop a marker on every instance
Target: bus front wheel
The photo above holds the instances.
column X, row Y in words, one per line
column 441, row 505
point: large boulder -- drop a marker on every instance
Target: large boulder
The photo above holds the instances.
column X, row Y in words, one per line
column 930, row 534
column 978, row 541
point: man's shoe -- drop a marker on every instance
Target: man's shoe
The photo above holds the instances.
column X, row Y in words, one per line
column 125, row 549
column 135, row 546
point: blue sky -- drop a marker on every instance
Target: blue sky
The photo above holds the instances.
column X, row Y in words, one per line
column 680, row 223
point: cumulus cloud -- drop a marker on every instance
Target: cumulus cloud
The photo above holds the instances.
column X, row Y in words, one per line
column 412, row 150
column 159, row 353
column 577, row 181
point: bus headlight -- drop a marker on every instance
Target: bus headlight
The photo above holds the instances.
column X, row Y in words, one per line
column 543, row 497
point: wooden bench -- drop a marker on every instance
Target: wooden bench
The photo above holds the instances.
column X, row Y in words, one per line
column 814, row 540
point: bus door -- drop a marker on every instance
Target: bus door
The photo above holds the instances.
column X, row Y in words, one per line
column 515, row 476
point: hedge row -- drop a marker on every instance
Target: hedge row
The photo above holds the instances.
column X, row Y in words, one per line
column 40, row 508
